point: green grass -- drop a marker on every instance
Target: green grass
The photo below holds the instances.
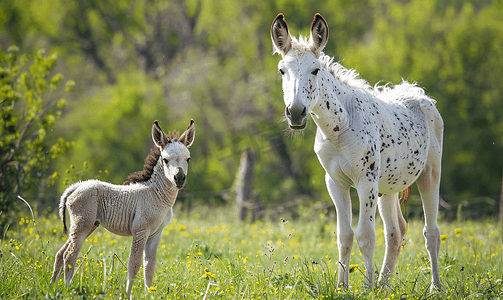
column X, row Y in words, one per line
column 220, row 258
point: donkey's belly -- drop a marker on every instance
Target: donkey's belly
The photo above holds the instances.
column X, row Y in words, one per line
column 115, row 218
column 398, row 174
column 117, row 231
column 387, row 187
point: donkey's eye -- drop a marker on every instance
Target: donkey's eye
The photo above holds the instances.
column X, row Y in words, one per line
column 166, row 161
column 315, row 72
column 282, row 72
column 189, row 159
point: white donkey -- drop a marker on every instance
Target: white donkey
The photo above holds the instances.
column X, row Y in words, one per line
column 141, row 207
column 379, row 140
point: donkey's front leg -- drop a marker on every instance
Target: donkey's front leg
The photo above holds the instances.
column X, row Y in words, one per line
column 365, row 231
column 150, row 258
column 135, row 257
column 342, row 201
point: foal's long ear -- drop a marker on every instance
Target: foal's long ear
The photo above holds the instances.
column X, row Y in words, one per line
column 160, row 139
column 319, row 34
column 188, row 136
column 281, row 40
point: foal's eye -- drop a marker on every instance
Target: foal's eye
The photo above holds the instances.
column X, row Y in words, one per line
column 282, row 72
column 166, row 161
column 315, row 72
column 189, row 159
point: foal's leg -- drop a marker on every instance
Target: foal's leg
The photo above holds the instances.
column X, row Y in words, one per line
column 150, row 258
column 428, row 185
column 79, row 230
column 59, row 259
column 133, row 266
column 340, row 197
column 365, row 231
column 58, row 262
column 394, row 231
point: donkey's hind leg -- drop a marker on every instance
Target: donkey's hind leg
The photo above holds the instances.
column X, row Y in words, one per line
column 428, row 185
column 394, row 231
column 79, row 230
column 59, row 259
column 58, row 262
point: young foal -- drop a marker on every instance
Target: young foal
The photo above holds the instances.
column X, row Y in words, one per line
column 141, row 208
column 379, row 140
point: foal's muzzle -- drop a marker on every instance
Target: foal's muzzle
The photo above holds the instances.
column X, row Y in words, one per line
column 297, row 116
column 180, row 178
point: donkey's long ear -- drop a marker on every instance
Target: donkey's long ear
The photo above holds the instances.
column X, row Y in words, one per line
column 319, row 34
column 281, row 40
column 188, row 136
column 160, row 139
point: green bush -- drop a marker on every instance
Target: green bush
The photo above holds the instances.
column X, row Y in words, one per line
column 30, row 105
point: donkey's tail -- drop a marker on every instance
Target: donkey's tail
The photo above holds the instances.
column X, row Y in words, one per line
column 62, row 204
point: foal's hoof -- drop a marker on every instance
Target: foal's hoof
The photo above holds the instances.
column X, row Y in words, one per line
column 383, row 283
column 342, row 287
column 435, row 288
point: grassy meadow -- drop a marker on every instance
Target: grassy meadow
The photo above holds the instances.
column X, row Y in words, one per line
column 208, row 255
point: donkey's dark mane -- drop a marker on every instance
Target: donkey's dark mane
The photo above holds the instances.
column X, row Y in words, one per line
column 150, row 162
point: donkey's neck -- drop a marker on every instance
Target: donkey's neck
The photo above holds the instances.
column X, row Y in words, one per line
column 163, row 188
column 331, row 110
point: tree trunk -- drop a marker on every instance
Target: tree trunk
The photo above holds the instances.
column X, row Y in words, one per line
column 244, row 182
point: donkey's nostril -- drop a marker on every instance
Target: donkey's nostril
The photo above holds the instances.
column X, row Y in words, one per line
column 303, row 114
column 287, row 111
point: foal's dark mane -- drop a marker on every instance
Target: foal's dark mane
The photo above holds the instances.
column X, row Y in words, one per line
column 150, row 162
column 148, row 167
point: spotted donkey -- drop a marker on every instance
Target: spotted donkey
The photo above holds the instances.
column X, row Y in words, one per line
column 379, row 140
column 141, row 207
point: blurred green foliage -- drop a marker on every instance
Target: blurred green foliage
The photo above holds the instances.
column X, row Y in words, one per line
column 136, row 61
column 30, row 103
column 454, row 51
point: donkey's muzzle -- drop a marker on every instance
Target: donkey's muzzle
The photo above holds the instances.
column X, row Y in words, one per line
column 297, row 116
column 180, row 178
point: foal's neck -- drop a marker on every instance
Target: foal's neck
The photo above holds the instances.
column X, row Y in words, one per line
column 164, row 189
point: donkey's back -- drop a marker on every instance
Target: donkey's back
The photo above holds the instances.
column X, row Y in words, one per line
column 409, row 131
column 111, row 206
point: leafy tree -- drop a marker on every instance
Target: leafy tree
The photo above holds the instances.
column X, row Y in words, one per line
column 454, row 51
column 30, row 106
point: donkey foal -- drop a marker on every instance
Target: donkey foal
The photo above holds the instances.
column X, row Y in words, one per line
column 141, row 208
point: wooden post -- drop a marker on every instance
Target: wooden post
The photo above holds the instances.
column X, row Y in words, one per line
column 244, row 182
column 256, row 207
